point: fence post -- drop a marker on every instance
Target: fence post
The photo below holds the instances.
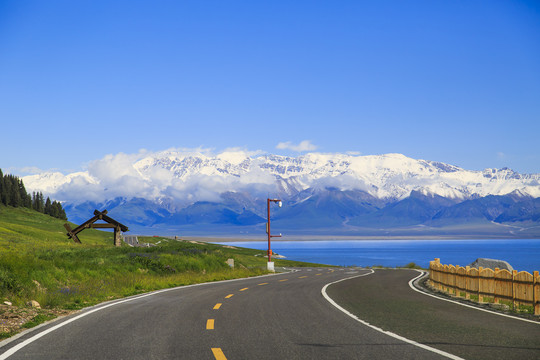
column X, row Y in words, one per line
column 514, row 274
column 467, row 283
column 480, row 297
column 536, row 303
column 495, row 286
column 437, row 273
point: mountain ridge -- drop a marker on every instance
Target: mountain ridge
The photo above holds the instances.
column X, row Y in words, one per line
column 333, row 191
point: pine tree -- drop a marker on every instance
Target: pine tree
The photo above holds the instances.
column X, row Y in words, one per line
column 22, row 193
column 13, row 193
column 6, row 196
column 34, row 200
column 2, row 188
column 40, row 202
column 15, row 199
column 47, row 209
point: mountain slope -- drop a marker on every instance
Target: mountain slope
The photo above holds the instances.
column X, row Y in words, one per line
column 174, row 189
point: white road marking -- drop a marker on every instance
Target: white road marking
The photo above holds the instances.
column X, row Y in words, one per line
column 467, row 305
column 395, row 336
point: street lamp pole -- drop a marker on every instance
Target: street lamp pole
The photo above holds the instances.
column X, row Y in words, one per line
column 270, row 236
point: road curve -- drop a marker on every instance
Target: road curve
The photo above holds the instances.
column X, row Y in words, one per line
column 385, row 299
column 274, row 317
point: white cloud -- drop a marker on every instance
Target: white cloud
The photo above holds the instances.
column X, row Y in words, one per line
column 304, row 145
column 25, row 171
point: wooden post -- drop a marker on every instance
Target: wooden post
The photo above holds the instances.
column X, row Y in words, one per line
column 495, row 297
column 514, row 274
column 110, row 224
column 536, row 302
column 71, row 234
column 117, row 236
column 480, row 296
column 467, row 283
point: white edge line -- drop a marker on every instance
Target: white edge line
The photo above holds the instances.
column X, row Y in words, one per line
column 396, row 336
column 467, row 305
column 30, row 340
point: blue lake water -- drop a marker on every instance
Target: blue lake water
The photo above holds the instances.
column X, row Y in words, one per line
column 523, row 255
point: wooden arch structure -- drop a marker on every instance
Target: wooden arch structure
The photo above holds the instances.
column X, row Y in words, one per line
column 90, row 224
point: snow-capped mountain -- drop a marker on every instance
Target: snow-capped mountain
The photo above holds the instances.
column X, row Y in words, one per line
column 331, row 190
column 184, row 178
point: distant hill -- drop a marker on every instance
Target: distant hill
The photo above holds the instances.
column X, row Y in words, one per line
column 327, row 193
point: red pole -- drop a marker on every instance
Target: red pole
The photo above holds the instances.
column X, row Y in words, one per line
column 268, row 230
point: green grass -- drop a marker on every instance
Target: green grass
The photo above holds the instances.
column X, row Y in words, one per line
column 38, row 262
column 38, row 319
column 6, row 334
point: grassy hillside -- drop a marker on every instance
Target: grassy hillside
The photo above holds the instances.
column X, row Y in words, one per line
column 38, row 262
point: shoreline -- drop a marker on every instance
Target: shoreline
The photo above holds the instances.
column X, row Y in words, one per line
column 300, row 238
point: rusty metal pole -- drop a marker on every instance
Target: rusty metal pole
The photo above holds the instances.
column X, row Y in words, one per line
column 268, row 230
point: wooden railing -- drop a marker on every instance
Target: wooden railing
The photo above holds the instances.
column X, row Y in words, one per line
column 498, row 286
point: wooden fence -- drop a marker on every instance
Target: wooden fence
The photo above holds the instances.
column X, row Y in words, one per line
column 499, row 286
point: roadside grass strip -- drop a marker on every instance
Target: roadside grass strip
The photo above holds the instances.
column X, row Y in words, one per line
column 363, row 322
column 422, row 273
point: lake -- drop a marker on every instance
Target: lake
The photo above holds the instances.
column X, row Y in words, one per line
column 521, row 254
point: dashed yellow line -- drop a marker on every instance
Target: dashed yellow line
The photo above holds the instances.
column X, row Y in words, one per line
column 318, row 274
column 244, row 289
column 217, row 306
column 229, row 296
column 210, row 324
column 301, row 277
column 283, row 279
column 262, row 284
column 218, row 354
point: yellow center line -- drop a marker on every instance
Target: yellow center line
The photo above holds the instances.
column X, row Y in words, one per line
column 318, row 274
column 218, row 354
column 229, row 296
column 301, row 277
column 284, row 280
column 210, row 324
column 217, row 306
column 263, row 284
column 244, row 289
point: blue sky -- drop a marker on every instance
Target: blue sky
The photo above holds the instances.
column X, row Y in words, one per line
column 451, row 81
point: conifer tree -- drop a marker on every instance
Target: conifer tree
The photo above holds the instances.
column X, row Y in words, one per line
column 40, row 202
column 6, row 197
column 34, row 200
column 15, row 198
column 22, row 193
column 2, row 188
column 13, row 193
column 47, row 209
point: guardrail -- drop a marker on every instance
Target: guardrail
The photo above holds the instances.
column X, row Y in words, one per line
column 487, row 285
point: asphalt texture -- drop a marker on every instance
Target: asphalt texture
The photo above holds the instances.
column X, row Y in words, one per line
column 386, row 300
column 282, row 316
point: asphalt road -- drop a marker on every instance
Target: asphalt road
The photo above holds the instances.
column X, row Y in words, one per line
column 385, row 299
column 274, row 317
